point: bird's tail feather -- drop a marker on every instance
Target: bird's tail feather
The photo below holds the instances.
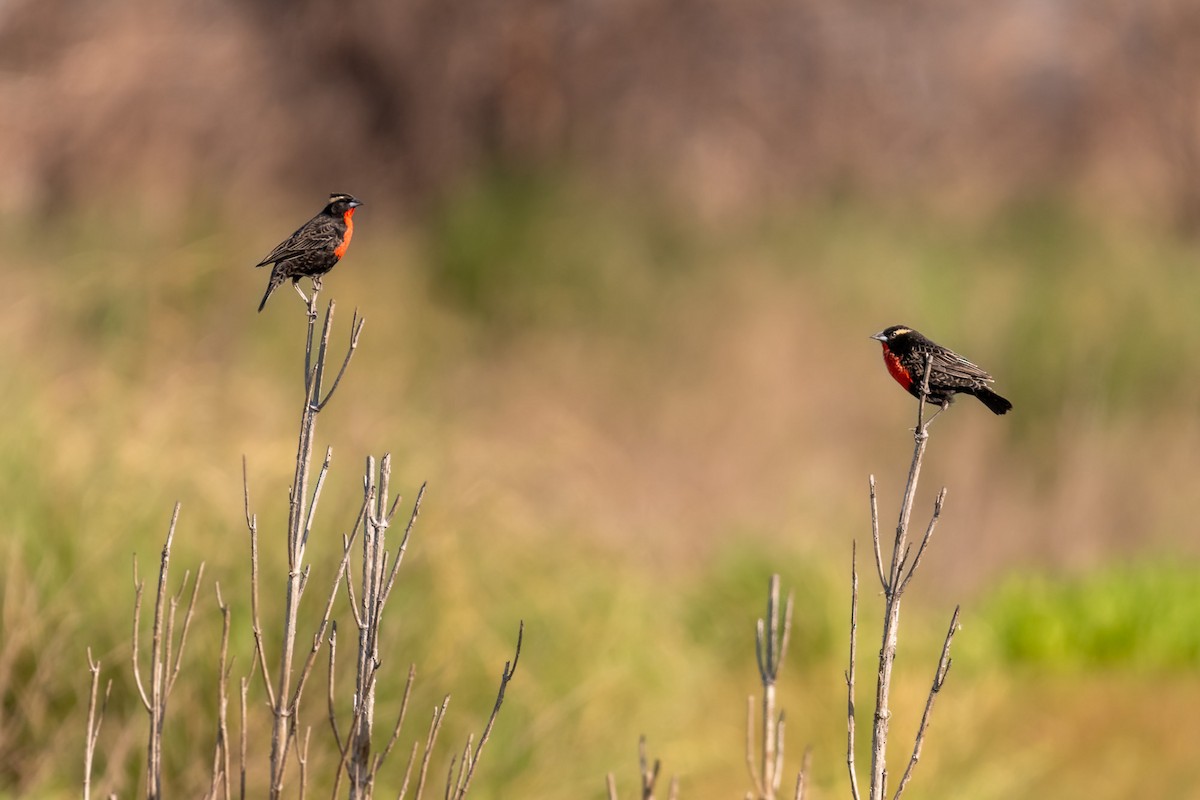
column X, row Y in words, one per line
column 995, row 403
column 270, row 288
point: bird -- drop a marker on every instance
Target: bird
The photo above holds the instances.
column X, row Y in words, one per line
column 905, row 352
column 315, row 248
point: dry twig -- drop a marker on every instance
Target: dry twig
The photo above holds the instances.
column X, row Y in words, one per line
column 95, row 719
column 771, row 643
column 220, row 769
column 648, row 775
column 894, row 581
column 506, row 675
column 163, row 672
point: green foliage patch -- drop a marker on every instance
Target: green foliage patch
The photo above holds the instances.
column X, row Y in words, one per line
column 1139, row 615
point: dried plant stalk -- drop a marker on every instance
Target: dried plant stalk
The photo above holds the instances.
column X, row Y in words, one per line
column 894, row 581
column 163, row 672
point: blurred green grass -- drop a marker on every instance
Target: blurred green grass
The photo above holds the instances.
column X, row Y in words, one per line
column 1142, row 615
column 628, row 421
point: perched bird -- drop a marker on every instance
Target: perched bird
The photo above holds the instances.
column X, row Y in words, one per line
column 315, row 248
column 905, row 352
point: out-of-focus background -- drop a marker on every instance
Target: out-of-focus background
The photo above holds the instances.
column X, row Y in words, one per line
column 619, row 262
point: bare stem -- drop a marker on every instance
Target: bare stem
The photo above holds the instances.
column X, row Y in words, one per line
column 95, row 719
column 939, row 678
column 245, row 691
column 771, row 642
column 805, row 770
column 435, row 726
column 301, row 510
column 220, row 775
column 510, row 669
column 379, row 759
column 850, row 672
column 159, row 663
column 894, row 584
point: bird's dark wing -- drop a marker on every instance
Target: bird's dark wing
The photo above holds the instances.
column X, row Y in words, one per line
column 954, row 369
column 316, row 234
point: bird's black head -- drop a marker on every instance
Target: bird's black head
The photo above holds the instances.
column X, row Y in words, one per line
column 898, row 338
column 340, row 203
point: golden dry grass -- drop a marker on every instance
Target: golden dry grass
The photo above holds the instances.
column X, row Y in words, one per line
column 619, row 449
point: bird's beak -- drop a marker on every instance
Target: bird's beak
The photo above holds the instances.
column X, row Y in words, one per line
column 880, row 337
column 355, row 203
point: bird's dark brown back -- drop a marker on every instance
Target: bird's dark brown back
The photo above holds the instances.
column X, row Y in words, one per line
column 312, row 243
column 949, row 373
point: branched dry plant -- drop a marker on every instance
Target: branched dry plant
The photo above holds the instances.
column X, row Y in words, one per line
column 95, row 720
column 764, row 758
column 648, row 774
column 163, row 672
column 894, row 580
column 770, row 646
column 358, row 760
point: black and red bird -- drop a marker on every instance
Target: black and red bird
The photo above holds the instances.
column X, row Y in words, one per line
column 905, row 352
column 315, row 248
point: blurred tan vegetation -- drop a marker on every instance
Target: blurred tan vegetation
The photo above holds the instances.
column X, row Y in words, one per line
column 965, row 105
column 618, row 264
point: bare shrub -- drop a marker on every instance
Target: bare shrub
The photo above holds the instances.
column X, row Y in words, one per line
column 356, row 755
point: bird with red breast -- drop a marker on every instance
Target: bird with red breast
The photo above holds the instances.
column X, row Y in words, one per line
column 906, row 353
column 314, row 249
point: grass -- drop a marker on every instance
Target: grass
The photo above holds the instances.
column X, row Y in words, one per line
column 628, row 422
column 1144, row 615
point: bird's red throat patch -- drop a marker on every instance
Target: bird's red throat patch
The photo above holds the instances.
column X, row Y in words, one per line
column 896, row 368
column 340, row 250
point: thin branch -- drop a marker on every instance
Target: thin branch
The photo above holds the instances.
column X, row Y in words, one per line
column 805, row 770
column 355, row 721
column 337, row 737
column 924, row 395
column 308, row 343
column 356, row 326
column 850, row 672
column 251, row 519
column 245, row 687
column 505, row 676
column 139, row 587
column 302, row 759
column 449, row 778
column 95, row 720
column 316, row 496
column 892, row 596
column 939, row 678
column 439, row 714
column 400, row 551
column 158, row 664
column 318, row 367
column 187, row 622
column 464, row 764
column 347, row 544
column 299, row 519
column 649, row 774
column 875, row 537
column 169, row 637
column 777, row 766
column 358, row 621
column 787, row 631
column 379, row 759
column 395, row 505
column 259, row 645
column 933, row 520
column 220, row 776
column 412, row 759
